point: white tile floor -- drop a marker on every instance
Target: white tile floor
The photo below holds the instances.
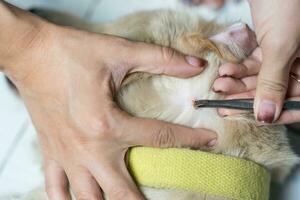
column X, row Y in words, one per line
column 19, row 169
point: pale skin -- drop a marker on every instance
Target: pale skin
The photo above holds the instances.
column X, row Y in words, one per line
column 240, row 81
column 265, row 74
column 67, row 79
column 277, row 30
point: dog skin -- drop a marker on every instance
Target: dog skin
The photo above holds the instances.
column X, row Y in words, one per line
column 171, row 99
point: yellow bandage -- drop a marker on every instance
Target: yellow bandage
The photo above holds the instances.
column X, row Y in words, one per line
column 197, row 171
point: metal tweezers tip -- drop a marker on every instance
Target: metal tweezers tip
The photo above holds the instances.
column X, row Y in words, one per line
column 200, row 103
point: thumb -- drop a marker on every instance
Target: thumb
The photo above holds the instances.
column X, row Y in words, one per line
column 163, row 60
column 156, row 133
column 272, row 83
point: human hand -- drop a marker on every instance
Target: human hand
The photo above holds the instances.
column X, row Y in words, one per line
column 239, row 81
column 278, row 35
column 277, row 29
column 68, row 79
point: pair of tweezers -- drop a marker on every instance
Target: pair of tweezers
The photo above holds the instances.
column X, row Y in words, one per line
column 240, row 104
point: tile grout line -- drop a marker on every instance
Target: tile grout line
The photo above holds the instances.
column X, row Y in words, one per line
column 13, row 145
column 91, row 9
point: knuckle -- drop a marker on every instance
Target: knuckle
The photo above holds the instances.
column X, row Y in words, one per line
column 164, row 137
column 168, row 54
column 120, row 42
column 106, row 128
column 272, row 86
column 99, row 128
column 119, row 194
column 280, row 50
column 87, row 196
column 51, row 190
column 51, row 187
column 123, row 46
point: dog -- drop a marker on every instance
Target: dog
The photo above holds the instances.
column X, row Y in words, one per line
column 171, row 99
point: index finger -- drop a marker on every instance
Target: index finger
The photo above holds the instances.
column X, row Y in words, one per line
column 157, row 59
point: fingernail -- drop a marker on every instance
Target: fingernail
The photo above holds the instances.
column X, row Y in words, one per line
column 266, row 111
column 195, row 62
column 212, row 143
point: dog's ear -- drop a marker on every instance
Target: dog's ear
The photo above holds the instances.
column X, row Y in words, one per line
column 238, row 38
column 195, row 44
column 232, row 44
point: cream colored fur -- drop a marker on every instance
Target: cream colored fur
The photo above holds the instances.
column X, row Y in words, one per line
column 170, row 99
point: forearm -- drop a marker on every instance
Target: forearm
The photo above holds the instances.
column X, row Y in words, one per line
column 19, row 31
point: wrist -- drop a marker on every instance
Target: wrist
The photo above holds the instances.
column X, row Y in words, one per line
column 21, row 34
